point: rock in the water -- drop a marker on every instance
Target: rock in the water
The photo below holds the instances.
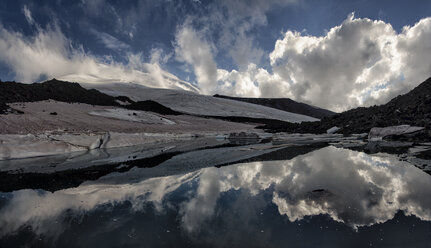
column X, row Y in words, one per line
column 378, row 133
column 243, row 135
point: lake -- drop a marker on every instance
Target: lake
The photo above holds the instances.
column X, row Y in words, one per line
column 318, row 196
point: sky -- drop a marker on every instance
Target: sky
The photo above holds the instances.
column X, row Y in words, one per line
column 333, row 54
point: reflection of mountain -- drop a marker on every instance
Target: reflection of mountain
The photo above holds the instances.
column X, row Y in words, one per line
column 179, row 159
column 351, row 188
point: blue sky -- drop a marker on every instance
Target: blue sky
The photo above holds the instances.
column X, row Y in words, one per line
column 237, row 36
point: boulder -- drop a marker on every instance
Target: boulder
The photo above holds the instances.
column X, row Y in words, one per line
column 378, row 133
column 333, row 129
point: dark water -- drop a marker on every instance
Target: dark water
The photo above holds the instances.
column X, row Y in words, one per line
column 329, row 197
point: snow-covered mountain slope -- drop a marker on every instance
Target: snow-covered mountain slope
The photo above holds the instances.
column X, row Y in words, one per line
column 161, row 80
column 197, row 104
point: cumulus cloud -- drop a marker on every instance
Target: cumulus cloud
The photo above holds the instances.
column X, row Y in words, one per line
column 192, row 49
column 342, row 68
column 49, row 53
column 361, row 62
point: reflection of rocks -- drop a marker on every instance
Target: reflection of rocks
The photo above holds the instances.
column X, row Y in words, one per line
column 243, row 138
column 243, row 135
column 404, row 140
column 393, row 147
column 307, row 139
column 420, row 156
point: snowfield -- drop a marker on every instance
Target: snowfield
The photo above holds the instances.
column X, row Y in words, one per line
column 193, row 103
column 84, row 118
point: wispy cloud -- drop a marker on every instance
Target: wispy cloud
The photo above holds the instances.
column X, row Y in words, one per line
column 27, row 15
column 50, row 53
column 110, row 41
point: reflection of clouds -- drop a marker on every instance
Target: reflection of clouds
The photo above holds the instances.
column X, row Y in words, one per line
column 351, row 187
column 201, row 207
column 39, row 209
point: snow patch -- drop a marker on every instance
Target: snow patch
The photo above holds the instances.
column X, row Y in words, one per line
column 133, row 115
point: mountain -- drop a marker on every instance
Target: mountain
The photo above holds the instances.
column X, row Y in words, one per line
column 413, row 108
column 285, row 104
column 139, row 97
column 197, row 104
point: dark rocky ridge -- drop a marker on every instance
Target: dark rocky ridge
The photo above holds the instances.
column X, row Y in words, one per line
column 153, row 106
column 72, row 93
column 413, row 108
column 55, row 90
column 285, row 104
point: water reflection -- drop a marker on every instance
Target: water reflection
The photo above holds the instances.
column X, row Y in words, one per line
column 328, row 189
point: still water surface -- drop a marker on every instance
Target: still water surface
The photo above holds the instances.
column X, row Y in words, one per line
column 330, row 197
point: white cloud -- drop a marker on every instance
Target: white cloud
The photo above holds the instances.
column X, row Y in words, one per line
column 361, row 62
column 338, row 70
column 192, row 49
column 234, row 21
column 49, row 53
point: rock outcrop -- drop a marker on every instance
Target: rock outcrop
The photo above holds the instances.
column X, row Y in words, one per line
column 413, row 108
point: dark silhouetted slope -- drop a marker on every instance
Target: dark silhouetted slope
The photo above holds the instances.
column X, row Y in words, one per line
column 55, row 90
column 285, row 104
